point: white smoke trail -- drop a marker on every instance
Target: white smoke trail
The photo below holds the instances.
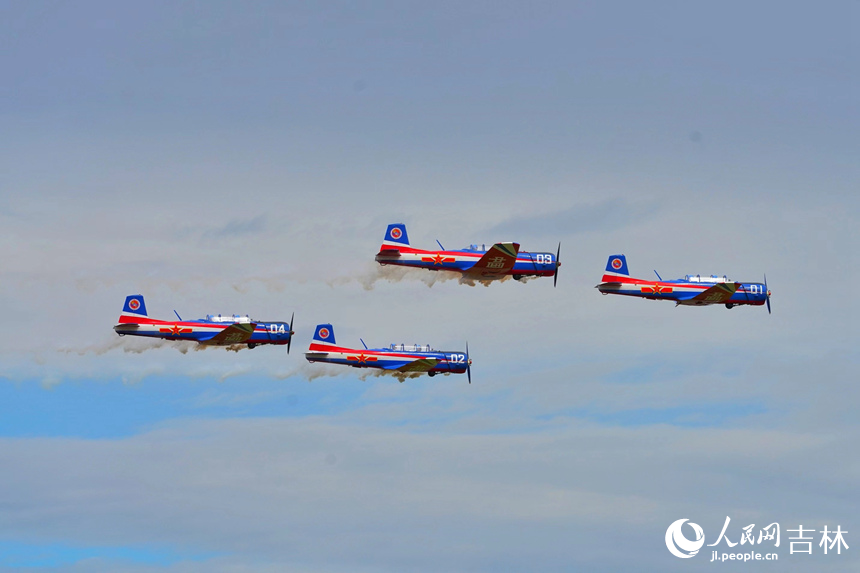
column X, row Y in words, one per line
column 375, row 273
column 311, row 372
column 134, row 345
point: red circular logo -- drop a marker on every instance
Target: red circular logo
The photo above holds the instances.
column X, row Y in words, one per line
column 134, row 304
column 396, row 233
column 323, row 332
column 616, row 263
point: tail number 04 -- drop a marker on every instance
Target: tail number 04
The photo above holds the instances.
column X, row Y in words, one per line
column 457, row 359
column 277, row 329
column 544, row 259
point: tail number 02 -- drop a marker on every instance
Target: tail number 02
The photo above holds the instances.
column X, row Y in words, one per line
column 544, row 259
column 457, row 359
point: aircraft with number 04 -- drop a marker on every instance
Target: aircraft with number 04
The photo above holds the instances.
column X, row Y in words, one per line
column 476, row 262
column 692, row 290
column 214, row 330
column 397, row 358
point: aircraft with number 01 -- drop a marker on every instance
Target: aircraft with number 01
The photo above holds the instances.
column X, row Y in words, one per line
column 214, row 330
column 476, row 262
column 397, row 358
column 692, row 290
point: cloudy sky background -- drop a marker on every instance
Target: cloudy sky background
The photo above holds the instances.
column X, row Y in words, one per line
column 246, row 157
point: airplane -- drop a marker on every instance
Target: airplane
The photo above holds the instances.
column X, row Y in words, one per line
column 692, row 290
column 476, row 262
column 404, row 358
column 214, row 330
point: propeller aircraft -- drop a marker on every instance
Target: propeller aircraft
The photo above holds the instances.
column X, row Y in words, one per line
column 476, row 262
column 214, row 330
column 692, row 290
column 397, row 358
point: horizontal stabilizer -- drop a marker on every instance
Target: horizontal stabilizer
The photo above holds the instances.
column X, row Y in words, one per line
column 233, row 334
column 315, row 355
column 387, row 252
column 126, row 327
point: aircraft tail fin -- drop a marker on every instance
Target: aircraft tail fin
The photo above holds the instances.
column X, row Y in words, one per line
column 133, row 309
column 616, row 267
column 324, row 334
column 395, row 236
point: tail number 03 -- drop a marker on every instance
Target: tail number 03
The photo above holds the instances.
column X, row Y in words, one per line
column 457, row 359
column 544, row 259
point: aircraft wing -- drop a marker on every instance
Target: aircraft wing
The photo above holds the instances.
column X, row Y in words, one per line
column 717, row 294
column 496, row 262
column 233, row 334
column 418, row 365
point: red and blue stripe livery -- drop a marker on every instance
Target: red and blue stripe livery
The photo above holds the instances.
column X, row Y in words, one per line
column 397, row 358
column 475, row 262
column 692, row 290
column 214, row 330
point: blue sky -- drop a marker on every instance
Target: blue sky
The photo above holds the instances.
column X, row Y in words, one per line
column 246, row 157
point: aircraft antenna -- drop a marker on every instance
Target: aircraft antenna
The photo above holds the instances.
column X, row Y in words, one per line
column 363, row 344
column 440, row 244
column 658, row 275
column 177, row 315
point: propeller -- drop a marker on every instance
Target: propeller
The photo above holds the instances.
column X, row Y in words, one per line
column 557, row 264
column 290, row 341
column 468, row 363
column 767, row 291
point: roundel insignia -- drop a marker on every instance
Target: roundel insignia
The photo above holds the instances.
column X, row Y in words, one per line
column 134, row 304
column 396, row 233
column 323, row 332
column 616, row 263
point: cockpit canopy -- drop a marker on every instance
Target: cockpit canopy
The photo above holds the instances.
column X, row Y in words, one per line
column 411, row 347
column 478, row 248
column 235, row 318
column 710, row 279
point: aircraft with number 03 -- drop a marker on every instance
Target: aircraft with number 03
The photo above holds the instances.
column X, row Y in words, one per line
column 476, row 262
column 214, row 330
column 397, row 358
column 692, row 290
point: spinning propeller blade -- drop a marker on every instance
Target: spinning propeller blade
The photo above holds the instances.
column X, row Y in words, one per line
column 767, row 294
column 290, row 341
column 557, row 264
column 468, row 364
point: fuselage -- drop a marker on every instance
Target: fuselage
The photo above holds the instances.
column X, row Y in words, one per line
column 390, row 358
column 680, row 290
column 199, row 330
column 527, row 264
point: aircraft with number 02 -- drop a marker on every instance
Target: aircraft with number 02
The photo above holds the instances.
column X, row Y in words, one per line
column 692, row 290
column 476, row 262
column 214, row 330
column 397, row 358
